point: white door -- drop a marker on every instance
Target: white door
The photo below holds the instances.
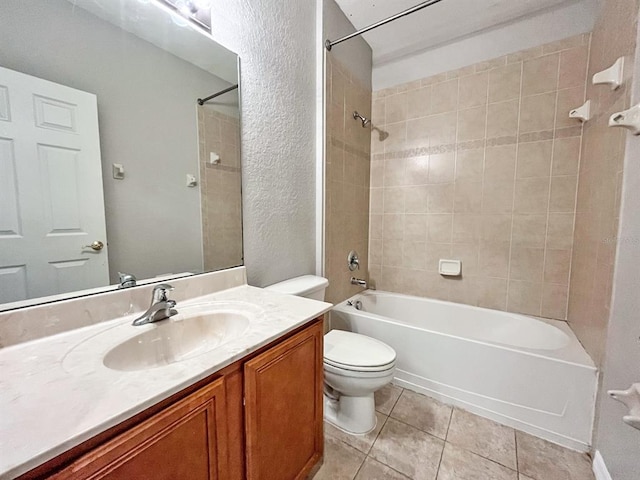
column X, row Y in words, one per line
column 51, row 198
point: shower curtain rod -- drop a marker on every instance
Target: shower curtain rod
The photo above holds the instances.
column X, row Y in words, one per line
column 202, row 101
column 329, row 44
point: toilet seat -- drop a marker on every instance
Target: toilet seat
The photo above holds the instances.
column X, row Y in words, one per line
column 357, row 353
column 362, row 372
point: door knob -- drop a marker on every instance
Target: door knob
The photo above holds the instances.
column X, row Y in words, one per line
column 97, row 245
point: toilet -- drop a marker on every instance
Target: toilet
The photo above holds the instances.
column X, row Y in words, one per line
column 355, row 366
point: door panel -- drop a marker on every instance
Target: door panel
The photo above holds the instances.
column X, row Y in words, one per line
column 51, row 187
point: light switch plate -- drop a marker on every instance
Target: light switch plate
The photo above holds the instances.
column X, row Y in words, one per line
column 118, row 171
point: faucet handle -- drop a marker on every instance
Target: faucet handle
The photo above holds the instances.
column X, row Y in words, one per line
column 160, row 292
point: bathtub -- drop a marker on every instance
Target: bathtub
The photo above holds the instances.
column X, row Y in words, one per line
column 520, row 371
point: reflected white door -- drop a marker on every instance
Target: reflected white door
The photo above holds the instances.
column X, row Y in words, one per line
column 51, row 196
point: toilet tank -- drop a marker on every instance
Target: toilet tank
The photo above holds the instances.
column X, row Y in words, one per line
column 309, row 286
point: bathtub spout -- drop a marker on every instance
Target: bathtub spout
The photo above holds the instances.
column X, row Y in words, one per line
column 359, row 282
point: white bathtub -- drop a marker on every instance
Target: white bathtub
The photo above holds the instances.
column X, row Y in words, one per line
column 527, row 373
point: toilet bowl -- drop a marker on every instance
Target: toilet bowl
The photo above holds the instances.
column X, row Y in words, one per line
column 355, row 366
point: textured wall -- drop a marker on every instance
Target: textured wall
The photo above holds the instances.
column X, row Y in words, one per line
column 347, row 184
column 276, row 43
column 600, row 182
column 481, row 165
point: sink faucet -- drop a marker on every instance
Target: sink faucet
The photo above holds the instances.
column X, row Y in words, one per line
column 160, row 309
column 359, row 282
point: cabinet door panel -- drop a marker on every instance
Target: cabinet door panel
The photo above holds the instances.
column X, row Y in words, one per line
column 187, row 440
column 283, row 412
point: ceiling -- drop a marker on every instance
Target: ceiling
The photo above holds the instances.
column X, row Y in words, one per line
column 438, row 24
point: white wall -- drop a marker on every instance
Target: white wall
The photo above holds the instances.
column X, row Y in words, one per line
column 545, row 27
column 618, row 443
column 276, row 42
column 153, row 219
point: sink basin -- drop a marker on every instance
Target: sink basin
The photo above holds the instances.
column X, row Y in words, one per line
column 193, row 331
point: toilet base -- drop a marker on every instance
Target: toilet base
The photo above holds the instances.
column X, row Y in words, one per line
column 354, row 415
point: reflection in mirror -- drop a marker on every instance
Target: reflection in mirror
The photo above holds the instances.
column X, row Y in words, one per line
column 107, row 162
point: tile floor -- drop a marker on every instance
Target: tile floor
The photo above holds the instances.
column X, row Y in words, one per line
column 419, row 438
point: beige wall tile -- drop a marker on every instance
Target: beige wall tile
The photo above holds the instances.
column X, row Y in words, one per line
column 527, row 264
column 469, row 164
column 563, row 194
column 494, row 259
column 444, row 97
column 441, row 198
column 502, row 119
column 472, row 124
column 439, row 228
column 473, row 90
column 529, row 230
column 468, row 196
column 540, row 74
column 504, row 83
column 441, row 168
column 557, row 264
column 554, row 301
column 493, row 293
column 416, row 199
column 537, row 112
column 395, row 108
column 534, row 159
column 415, row 227
column 524, row 297
column 419, row 102
column 560, row 230
column 442, row 129
column 531, row 195
column 573, row 67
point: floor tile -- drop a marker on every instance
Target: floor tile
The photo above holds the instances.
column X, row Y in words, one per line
column 341, row 462
column 361, row 442
column 523, row 477
column 408, row 450
column 386, row 398
column 460, row 464
column 374, row 470
column 544, row 460
column 484, row 437
column 423, row 412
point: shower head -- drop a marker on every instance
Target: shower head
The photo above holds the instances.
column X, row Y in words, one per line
column 365, row 121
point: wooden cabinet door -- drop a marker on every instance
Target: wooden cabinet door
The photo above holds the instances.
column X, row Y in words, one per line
column 188, row 440
column 283, row 408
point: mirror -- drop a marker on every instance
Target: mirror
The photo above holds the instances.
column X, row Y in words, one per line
column 107, row 162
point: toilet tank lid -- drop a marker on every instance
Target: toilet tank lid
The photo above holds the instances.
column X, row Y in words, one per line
column 300, row 286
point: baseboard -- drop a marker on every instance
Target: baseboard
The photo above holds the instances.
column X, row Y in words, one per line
column 599, row 468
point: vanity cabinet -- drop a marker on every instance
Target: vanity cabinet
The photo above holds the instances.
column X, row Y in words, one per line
column 283, row 411
column 259, row 418
column 187, row 440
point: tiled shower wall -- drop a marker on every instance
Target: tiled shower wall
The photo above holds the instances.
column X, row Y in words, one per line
column 480, row 165
column 599, row 191
column 347, row 179
column 221, row 199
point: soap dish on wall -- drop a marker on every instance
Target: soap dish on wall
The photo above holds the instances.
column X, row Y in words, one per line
column 629, row 119
column 450, row 268
column 611, row 76
column 582, row 113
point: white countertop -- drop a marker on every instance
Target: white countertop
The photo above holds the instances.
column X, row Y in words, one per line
column 55, row 393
